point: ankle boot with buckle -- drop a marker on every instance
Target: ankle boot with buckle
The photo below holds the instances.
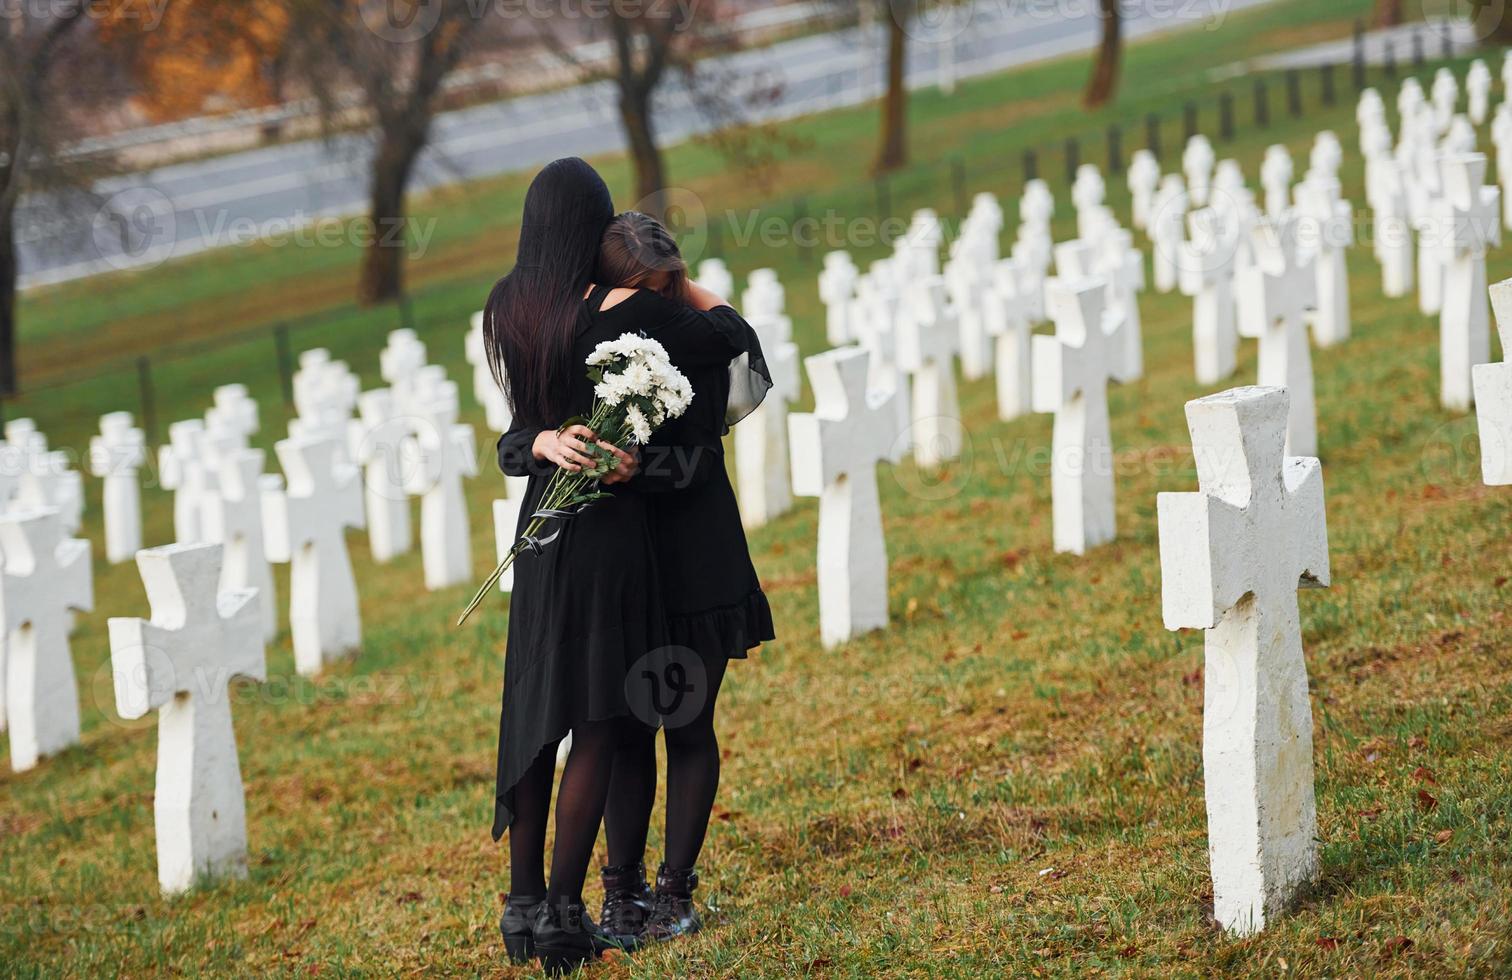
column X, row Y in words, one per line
column 565, row 937
column 673, row 913
column 517, row 926
column 627, row 904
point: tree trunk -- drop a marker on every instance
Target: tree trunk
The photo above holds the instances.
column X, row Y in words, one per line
column 1493, row 21
column 893, row 151
column 1388, row 13
column 1105, row 72
column 650, row 169
column 381, row 279
column 8, row 273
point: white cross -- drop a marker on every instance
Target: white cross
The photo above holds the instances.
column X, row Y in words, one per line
column 506, row 515
column 1409, row 98
column 44, row 577
column 928, row 337
column 1167, row 231
column 1371, row 109
column 375, row 438
column 233, row 410
column 835, row 450
column 1445, row 98
column 1471, row 221
column 305, row 526
column 400, row 361
column 1327, row 227
column 837, row 287
column 115, row 456
column 1478, row 84
column 1088, row 193
column 1005, row 309
column 1501, row 138
column 874, row 318
column 764, row 295
column 1197, row 163
column 714, row 276
column 233, row 519
column 1207, row 275
column 1493, row 397
column 1144, row 177
column 200, row 639
column 965, row 284
column 485, row 389
column 1071, row 374
column 43, row 478
column 1122, row 265
column 181, row 469
column 1231, row 559
column 761, row 439
column 1393, row 237
column 1274, row 298
column 436, row 460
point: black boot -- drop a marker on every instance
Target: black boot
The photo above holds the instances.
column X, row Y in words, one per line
column 673, row 913
column 517, row 926
column 627, row 904
column 565, row 937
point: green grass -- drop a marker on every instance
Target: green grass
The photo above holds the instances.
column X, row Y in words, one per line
column 893, row 807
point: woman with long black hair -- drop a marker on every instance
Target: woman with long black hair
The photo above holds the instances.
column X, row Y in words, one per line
column 584, row 607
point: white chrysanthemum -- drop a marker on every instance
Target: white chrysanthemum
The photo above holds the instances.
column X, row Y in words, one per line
column 612, row 390
column 627, row 346
column 640, row 426
column 638, row 377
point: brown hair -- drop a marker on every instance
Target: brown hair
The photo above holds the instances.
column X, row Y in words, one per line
column 636, row 248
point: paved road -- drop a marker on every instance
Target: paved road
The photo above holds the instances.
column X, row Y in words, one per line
column 177, row 210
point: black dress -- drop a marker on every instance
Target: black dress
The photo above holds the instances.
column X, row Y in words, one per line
column 681, row 571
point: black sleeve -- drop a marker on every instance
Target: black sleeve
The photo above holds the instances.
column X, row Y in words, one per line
column 697, row 339
column 515, row 455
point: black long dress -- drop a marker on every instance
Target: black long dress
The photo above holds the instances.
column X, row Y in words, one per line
column 698, row 589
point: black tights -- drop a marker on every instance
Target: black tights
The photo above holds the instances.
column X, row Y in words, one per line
column 579, row 808
column 692, row 782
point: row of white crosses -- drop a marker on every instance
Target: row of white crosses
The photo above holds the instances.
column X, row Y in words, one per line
column 761, row 440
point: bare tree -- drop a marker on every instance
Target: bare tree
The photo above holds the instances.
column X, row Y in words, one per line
column 33, row 38
column 892, row 150
column 386, row 63
column 1104, row 81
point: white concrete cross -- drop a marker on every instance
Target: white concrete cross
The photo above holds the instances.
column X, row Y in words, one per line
column 836, row 449
column 305, row 526
column 1167, row 231
column 40, row 478
column 1276, row 177
column 400, row 363
column 714, row 276
column 1327, row 154
column 761, row 472
column 1006, row 317
column 182, row 468
column 233, row 410
column 1207, row 275
column 325, row 395
column 1493, row 397
column 928, row 337
column 1471, row 221
column 44, row 577
column 875, row 318
column 1410, row 98
column 233, row 519
column 1501, row 138
column 837, row 288
column 1274, row 299
column 764, row 295
column 1088, row 193
column 200, row 639
column 1232, row 556
column 1478, row 84
column 1197, row 163
column 438, row 457
column 917, row 253
column 1393, row 236
column 1071, row 374
column 986, row 213
column 115, row 456
column 1144, row 178
column 1371, row 109
column 1327, row 225
column 1445, row 94
column 375, row 438
column 485, row 389
column 1425, row 190
column 1122, row 266
column 506, row 516
column 966, row 281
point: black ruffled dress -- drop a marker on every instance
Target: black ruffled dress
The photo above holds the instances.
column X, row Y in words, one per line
column 663, row 562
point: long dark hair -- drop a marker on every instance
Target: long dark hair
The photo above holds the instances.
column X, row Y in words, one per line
column 532, row 313
column 637, row 247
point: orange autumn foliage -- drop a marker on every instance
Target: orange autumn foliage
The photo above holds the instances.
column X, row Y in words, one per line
column 204, row 55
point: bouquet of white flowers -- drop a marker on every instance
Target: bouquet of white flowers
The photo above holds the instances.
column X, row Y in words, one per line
column 635, row 391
